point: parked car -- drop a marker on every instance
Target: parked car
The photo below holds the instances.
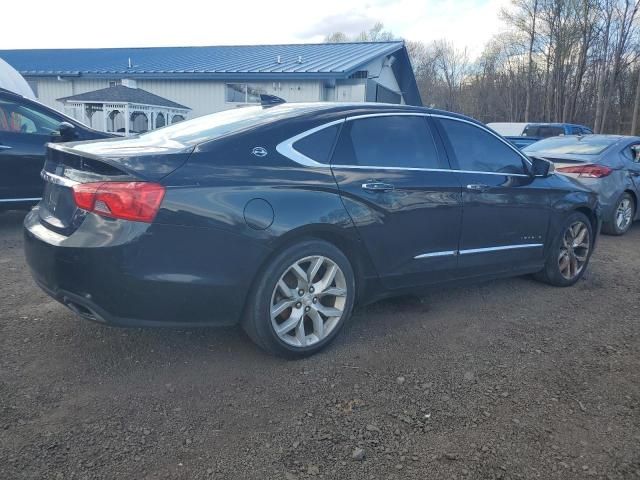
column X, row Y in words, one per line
column 282, row 218
column 607, row 164
column 534, row 132
column 25, row 128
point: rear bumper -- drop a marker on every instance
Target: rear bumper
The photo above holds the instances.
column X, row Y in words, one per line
column 139, row 275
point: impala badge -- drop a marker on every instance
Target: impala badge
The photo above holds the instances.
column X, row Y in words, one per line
column 259, row 151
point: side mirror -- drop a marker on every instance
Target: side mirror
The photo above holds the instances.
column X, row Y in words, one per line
column 67, row 132
column 541, row 167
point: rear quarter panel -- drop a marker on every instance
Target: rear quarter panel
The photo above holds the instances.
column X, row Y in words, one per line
column 216, row 191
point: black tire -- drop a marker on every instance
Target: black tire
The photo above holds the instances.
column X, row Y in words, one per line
column 552, row 273
column 257, row 321
column 610, row 226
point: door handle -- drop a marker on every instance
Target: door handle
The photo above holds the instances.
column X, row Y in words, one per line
column 377, row 187
column 635, row 174
column 5, row 147
column 474, row 187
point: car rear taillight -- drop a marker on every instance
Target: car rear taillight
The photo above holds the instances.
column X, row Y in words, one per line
column 589, row 170
column 137, row 201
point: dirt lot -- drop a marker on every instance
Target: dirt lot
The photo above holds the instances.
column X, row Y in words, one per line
column 508, row 379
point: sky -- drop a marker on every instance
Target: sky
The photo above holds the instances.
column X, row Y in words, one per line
column 143, row 23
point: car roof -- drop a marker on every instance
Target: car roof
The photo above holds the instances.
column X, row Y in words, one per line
column 363, row 108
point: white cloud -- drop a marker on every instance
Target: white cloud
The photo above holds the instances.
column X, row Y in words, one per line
column 118, row 23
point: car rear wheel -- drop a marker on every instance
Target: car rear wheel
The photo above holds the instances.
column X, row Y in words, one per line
column 302, row 300
column 622, row 216
column 569, row 253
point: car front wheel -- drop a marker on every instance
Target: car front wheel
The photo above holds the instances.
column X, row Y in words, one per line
column 569, row 253
column 302, row 300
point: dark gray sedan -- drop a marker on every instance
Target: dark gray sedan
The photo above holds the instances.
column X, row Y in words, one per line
column 608, row 164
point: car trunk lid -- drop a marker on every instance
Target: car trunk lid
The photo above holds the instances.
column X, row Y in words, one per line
column 117, row 160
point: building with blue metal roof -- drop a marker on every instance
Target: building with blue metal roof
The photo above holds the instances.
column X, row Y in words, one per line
column 210, row 79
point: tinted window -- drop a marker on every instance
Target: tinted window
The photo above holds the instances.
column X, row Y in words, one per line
column 15, row 117
column 317, row 146
column 388, row 141
column 576, row 130
column 479, row 151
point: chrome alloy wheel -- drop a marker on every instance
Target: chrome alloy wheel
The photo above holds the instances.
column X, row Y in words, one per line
column 574, row 251
column 624, row 214
column 308, row 301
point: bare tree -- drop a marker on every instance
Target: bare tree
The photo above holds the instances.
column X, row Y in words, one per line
column 523, row 16
column 336, row 37
column 559, row 60
column 452, row 65
column 625, row 15
column 636, row 108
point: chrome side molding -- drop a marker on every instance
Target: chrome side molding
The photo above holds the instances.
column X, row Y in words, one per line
column 477, row 250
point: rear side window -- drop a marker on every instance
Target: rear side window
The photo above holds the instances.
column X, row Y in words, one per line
column 477, row 150
column 387, row 141
column 632, row 153
column 318, row 145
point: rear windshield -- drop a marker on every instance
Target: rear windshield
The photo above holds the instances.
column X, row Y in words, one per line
column 210, row 127
column 588, row 145
column 542, row 131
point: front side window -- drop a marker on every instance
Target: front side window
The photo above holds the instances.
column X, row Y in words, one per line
column 18, row 118
column 387, row 141
column 242, row 93
column 477, row 150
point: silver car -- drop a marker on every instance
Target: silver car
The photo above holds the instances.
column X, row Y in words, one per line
column 608, row 164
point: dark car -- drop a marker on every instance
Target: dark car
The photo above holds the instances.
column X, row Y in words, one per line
column 25, row 128
column 282, row 218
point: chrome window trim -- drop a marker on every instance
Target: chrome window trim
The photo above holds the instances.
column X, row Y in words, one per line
column 286, row 149
column 57, row 179
column 8, row 200
column 478, row 250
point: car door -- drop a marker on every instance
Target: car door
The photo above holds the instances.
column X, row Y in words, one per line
column 24, row 131
column 505, row 210
column 406, row 204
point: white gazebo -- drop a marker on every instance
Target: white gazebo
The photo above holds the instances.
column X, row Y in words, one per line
column 124, row 110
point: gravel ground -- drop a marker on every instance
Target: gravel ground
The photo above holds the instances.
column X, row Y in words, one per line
column 507, row 379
